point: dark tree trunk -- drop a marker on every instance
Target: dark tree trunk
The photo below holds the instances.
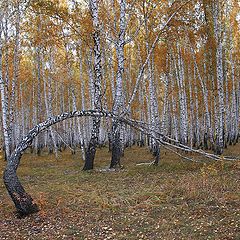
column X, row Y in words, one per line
column 205, row 140
column 39, row 150
column 156, row 154
column 91, row 150
column 116, row 147
column 23, row 201
column 110, row 142
column 90, row 155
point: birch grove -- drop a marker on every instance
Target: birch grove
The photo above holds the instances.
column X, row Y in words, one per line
column 171, row 65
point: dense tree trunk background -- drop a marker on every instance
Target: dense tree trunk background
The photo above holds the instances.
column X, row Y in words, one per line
column 173, row 66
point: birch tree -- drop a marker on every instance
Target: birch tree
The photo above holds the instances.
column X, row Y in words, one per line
column 118, row 98
column 91, row 148
column 4, row 89
column 213, row 16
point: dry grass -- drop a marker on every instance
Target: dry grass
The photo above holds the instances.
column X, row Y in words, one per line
column 177, row 200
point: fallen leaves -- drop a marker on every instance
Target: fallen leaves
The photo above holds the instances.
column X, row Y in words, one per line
column 173, row 201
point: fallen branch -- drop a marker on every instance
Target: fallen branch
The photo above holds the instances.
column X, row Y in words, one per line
column 150, row 163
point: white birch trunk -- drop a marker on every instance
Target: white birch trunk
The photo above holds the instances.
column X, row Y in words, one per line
column 220, row 77
column 96, row 90
column 118, row 98
column 4, row 104
column 47, row 83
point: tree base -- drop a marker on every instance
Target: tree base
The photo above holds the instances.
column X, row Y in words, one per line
column 31, row 210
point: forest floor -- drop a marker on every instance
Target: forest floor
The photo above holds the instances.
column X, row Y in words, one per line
column 176, row 200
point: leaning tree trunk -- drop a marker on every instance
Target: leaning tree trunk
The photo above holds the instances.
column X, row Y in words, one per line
column 22, row 200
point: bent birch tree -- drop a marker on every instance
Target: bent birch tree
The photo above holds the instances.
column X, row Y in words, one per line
column 24, row 203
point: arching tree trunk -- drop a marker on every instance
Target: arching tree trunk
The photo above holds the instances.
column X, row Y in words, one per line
column 22, row 200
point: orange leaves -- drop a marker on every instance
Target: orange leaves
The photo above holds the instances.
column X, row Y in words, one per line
column 50, row 7
column 160, row 54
